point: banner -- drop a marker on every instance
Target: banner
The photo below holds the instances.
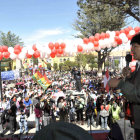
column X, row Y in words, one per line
column 10, row 75
column 43, row 81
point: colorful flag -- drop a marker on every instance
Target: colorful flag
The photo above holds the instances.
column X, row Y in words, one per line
column 106, row 79
column 43, row 81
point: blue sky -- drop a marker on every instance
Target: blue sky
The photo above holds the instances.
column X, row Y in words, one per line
column 39, row 20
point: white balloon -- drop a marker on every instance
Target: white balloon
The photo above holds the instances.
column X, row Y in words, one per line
column 132, row 32
column 21, row 56
column 114, row 44
column 122, row 35
column 24, row 49
column 30, row 51
column 90, row 46
column 13, row 56
column 10, row 49
column 125, row 40
column 42, row 55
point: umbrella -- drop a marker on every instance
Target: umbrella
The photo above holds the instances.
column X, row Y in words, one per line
column 20, row 83
column 62, row 131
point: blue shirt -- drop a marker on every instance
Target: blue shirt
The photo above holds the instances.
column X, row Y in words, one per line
column 28, row 103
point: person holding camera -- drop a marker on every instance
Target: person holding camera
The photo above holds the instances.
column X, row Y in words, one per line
column 79, row 104
column 62, row 110
column 90, row 113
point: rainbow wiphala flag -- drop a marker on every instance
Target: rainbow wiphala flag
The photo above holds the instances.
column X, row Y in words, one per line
column 42, row 80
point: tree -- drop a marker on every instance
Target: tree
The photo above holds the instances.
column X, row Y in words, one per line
column 49, row 66
column 81, row 60
column 55, row 66
column 94, row 17
column 9, row 39
column 60, row 66
column 70, row 64
column 128, row 7
column 116, row 62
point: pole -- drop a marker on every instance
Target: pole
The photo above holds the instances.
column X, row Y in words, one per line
column 0, row 84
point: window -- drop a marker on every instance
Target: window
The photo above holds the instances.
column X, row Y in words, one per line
column 61, row 60
column 64, row 59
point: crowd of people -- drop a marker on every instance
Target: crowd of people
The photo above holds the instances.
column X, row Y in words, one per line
column 76, row 97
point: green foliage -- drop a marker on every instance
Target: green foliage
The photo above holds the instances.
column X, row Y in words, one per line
column 81, row 60
column 35, row 61
column 55, row 66
column 10, row 39
column 95, row 17
column 116, row 62
column 129, row 8
column 49, row 66
column 60, row 66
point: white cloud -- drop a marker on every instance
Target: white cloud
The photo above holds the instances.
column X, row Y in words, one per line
column 39, row 35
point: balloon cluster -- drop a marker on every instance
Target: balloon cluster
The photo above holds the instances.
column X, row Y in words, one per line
column 108, row 39
column 97, row 42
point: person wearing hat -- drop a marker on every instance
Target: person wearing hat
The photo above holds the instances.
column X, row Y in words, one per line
column 62, row 131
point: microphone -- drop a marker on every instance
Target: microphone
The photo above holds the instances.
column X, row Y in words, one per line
column 128, row 59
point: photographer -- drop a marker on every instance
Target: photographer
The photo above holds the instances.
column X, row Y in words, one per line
column 90, row 113
column 47, row 113
column 77, row 77
column 62, row 110
column 79, row 104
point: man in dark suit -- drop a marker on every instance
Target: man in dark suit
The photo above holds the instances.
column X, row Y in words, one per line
column 130, row 87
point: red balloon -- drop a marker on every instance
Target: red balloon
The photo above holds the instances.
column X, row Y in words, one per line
column 107, row 35
column 97, row 38
column 52, row 55
column 34, row 47
column 1, row 49
column 6, row 54
column 97, row 34
column 63, row 45
column 130, row 28
column 126, row 30
column 36, row 54
column 122, row 31
column 129, row 37
column 79, row 48
column 117, row 33
column 96, row 43
column 1, row 56
column 5, row 48
column 103, row 35
column 17, row 47
column 56, row 45
column 60, row 51
column 92, row 39
column 54, row 51
column 16, row 51
column 51, row 45
column 86, row 40
column 116, row 38
column 137, row 29
column 28, row 55
column 119, row 41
